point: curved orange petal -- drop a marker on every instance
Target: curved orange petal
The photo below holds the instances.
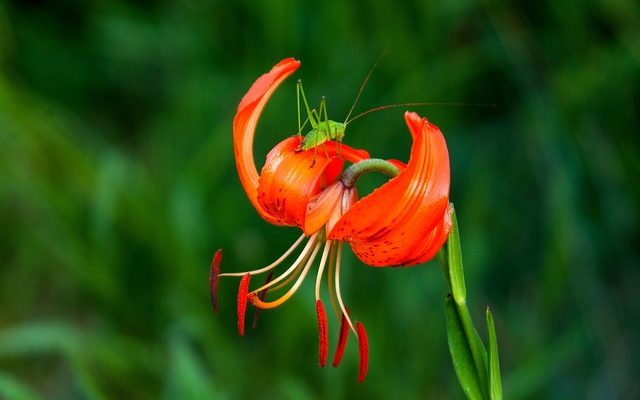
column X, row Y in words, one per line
column 349, row 197
column 290, row 178
column 406, row 220
column 244, row 126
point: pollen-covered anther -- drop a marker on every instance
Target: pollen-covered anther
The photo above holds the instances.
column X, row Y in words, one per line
column 214, row 275
column 363, row 350
column 342, row 341
column 323, row 333
column 243, row 291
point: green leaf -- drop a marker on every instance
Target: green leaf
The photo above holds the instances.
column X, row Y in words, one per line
column 441, row 256
column 456, row 271
column 39, row 338
column 495, row 385
column 478, row 351
column 463, row 362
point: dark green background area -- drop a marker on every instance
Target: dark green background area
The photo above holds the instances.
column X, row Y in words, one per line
column 118, row 182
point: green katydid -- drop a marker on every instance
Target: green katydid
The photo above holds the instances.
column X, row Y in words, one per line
column 324, row 130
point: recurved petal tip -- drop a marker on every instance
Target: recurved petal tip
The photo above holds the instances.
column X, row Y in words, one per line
column 244, row 127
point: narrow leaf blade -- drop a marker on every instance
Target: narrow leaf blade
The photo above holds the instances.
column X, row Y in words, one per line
column 495, row 384
column 454, row 253
column 461, row 353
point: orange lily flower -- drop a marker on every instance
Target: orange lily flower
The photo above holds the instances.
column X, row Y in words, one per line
column 404, row 222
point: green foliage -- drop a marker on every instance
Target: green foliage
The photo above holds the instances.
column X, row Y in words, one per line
column 461, row 353
column 495, row 381
column 454, row 261
column 118, row 182
column 478, row 373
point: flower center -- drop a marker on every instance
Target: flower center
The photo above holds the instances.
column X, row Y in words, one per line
column 297, row 272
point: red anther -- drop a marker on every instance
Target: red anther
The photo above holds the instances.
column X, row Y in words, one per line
column 243, row 291
column 261, row 296
column 323, row 333
column 363, row 349
column 213, row 279
column 342, row 341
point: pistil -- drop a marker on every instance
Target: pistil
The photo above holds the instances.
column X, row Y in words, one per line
column 354, row 171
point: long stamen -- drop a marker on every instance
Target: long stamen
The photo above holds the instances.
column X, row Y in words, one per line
column 332, row 295
column 342, row 341
column 214, row 274
column 272, row 265
column 342, row 307
column 300, row 259
column 291, row 276
column 363, row 350
column 243, row 290
column 323, row 329
column 323, row 262
column 323, row 333
column 272, row 304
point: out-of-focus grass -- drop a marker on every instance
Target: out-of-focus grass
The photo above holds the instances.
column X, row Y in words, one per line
column 117, row 183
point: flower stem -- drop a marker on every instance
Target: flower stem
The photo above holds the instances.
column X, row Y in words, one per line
column 354, row 171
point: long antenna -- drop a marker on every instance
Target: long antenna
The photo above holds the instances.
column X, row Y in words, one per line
column 387, row 106
column 364, row 83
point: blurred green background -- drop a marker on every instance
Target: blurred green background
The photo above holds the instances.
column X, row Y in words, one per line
column 118, row 182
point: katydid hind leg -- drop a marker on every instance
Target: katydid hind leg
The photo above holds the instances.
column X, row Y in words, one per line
column 298, row 87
